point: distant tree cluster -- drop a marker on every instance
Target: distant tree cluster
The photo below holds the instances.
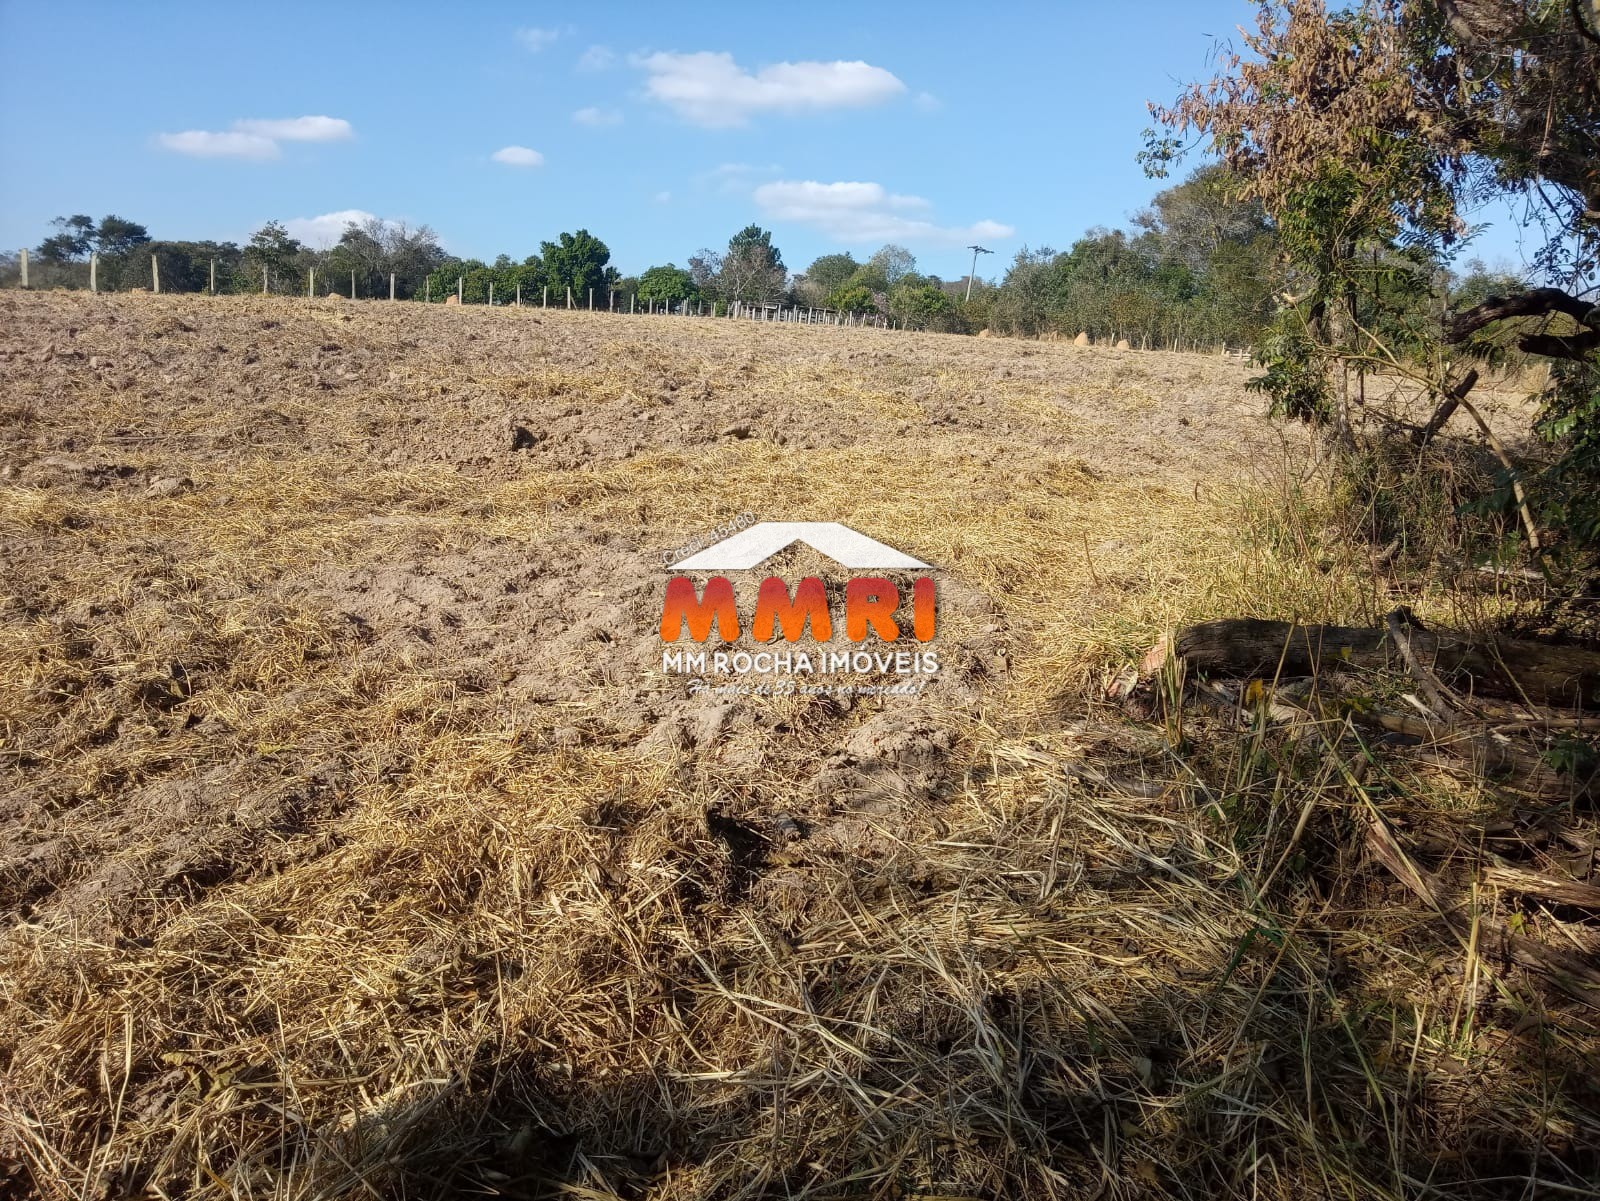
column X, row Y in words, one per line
column 1199, row 268
column 271, row 260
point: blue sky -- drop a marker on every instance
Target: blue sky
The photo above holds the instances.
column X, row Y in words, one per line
column 661, row 127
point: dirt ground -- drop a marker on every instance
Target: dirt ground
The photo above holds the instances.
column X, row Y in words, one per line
column 353, row 841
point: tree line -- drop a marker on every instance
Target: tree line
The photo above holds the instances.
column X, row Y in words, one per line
column 1203, row 266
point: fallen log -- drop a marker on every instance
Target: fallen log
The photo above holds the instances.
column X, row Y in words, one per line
column 1535, row 672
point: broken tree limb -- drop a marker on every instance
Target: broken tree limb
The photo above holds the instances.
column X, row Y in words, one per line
column 1535, row 672
column 1447, row 407
column 1484, row 754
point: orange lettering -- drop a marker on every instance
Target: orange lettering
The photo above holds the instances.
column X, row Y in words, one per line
column 923, row 608
column 682, row 606
column 870, row 600
column 773, row 604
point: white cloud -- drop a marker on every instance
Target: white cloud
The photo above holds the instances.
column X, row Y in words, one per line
column 327, row 229
column 865, row 213
column 200, row 143
column 518, row 156
column 299, row 129
column 927, row 102
column 596, row 117
column 711, row 89
column 256, row 138
column 597, row 58
column 663, row 197
column 536, row 39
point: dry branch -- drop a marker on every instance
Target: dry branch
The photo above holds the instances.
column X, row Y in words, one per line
column 1447, row 407
column 1547, row 888
column 1535, row 672
column 1576, row 975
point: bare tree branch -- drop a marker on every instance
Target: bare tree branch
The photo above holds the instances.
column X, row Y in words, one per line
column 1534, row 303
column 1553, row 346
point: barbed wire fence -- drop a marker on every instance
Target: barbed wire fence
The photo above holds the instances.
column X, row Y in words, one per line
column 25, row 271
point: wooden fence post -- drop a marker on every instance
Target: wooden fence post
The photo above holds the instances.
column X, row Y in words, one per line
column 155, row 274
column 311, row 284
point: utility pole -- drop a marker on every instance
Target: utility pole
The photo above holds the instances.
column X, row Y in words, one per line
column 976, row 251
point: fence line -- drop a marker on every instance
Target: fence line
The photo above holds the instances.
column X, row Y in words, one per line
column 735, row 310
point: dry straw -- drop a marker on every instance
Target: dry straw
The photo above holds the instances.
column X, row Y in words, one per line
column 311, row 914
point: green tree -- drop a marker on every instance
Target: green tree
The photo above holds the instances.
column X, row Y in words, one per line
column 577, row 261
column 273, row 251
column 667, row 284
column 751, row 271
column 73, row 240
column 1368, row 133
column 826, row 275
column 853, row 298
column 117, row 236
column 920, row 305
column 756, row 242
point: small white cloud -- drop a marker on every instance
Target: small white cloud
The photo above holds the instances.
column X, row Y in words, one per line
column 327, row 229
column 536, row 39
column 200, row 143
column 597, row 117
column 597, row 58
column 299, row 129
column 862, row 212
column 927, row 102
column 518, row 156
column 711, row 89
column 663, row 197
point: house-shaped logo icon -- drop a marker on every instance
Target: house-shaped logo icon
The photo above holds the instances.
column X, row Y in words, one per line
column 754, row 546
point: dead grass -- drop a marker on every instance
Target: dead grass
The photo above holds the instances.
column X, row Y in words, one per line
column 320, row 915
